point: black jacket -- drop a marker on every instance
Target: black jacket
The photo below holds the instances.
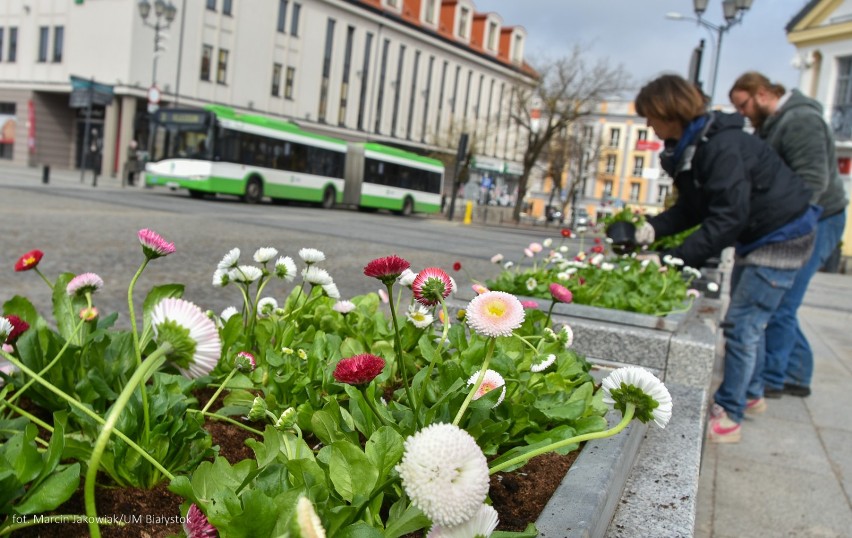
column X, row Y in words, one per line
column 737, row 188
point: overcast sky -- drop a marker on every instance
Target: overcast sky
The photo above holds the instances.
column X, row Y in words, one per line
column 637, row 35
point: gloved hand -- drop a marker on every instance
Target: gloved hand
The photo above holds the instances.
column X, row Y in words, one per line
column 645, row 234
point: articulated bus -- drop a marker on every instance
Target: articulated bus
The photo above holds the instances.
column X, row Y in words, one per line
column 216, row 150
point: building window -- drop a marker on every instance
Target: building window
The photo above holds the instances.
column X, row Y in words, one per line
column 365, row 76
column 464, row 18
column 429, row 15
column 614, row 135
column 662, row 193
column 13, row 44
column 392, row 4
column 276, row 79
column 58, row 39
column 227, row 7
column 841, row 118
column 638, row 166
column 211, row 5
column 294, row 19
column 289, row 81
column 588, row 132
column 492, row 35
column 282, row 16
column 397, row 88
column 441, row 98
column 7, row 140
column 326, row 70
column 607, row 192
column 412, row 95
column 1, row 43
column 344, row 84
column 382, row 74
column 634, row 192
column 518, row 51
column 427, row 92
column 206, row 58
column 642, row 135
column 222, row 67
column 610, row 164
column 43, row 36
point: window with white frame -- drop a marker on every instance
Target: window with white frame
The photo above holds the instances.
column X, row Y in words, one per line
column 841, row 118
column 638, row 165
column 607, row 190
column 518, row 48
column 464, row 21
column 642, row 135
column 430, row 13
column 493, row 32
column 610, row 164
column 614, row 136
column 634, row 192
column 662, row 193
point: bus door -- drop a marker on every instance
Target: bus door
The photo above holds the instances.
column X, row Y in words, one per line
column 354, row 174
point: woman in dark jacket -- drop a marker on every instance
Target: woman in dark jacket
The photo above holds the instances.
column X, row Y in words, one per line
column 742, row 194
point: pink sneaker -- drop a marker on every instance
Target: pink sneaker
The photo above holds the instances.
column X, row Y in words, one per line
column 721, row 429
column 755, row 406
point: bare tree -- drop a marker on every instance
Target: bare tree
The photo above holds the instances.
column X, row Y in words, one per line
column 568, row 89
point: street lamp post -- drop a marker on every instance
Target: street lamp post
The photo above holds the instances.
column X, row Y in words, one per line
column 164, row 15
column 733, row 11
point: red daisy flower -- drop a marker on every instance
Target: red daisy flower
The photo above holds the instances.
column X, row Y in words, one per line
column 359, row 369
column 597, row 240
column 431, row 285
column 566, row 232
column 29, row 260
column 598, row 249
column 19, row 326
column 561, row 293
column 457, row 266
column 386, row 269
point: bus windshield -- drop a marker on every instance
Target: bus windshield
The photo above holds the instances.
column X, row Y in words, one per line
column 182, row 134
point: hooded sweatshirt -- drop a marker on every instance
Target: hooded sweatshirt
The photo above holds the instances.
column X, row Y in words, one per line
column 798, row 132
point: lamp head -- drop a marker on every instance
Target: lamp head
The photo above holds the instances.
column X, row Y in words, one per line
column 159, row 8
column 743, row 5
column 144, row 8
column 171, row 11
column 700, row 6
column 730, row 10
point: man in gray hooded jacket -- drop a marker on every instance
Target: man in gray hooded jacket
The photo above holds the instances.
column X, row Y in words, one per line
column 794, row 126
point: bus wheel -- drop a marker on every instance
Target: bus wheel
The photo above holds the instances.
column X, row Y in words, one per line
column 407, row 208
column 196, row 195
column 254, row 191
column 328, row 198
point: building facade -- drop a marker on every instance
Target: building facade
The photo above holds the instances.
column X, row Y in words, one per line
column 409, row 73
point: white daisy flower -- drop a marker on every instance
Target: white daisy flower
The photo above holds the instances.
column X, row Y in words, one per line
column 453, row 286
column 266, row 306
column 221, row 278
column 331, row 290
column 563, row 275
column 5, row 329
column 344, row 307
column 227, row 313
column 246, row 273
column 596, row 259
column 712, row 287
column 490, row 381
column 406, row 278
column 568, row 334
column 310, row 524
column 542, row 366
column 652, row 399
column 606, row 266
column 563, row 249
column 444, row 473
column 482, row 524
column 497, row 258
column 508, row 265
column 419, row 316
column 316, row 276
column 311, row 255
column 285, row 268
column 668, row 259
column 547, row 242
column 264, row 254
column 196, row 347
column 531, row 284
column 230, row 260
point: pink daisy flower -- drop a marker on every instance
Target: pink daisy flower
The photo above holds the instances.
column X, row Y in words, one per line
column 153, row 245
column 494, row 314
column 196, row 524
column 431, row 286
column 532, row 305
column 561, row 293
column 536, row 247
column 358, row 370
column 490, row 381
column 479, row 289
column 85, row 283
column 386, row 269
column 245, row 361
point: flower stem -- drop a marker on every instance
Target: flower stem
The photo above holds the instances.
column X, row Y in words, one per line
column 488, row 353
column 46, row 281
column 625, row 420
column 139, row 377
column 397, row 344
column 218, row 391
column 223, row 418
column 88, row 412
column 372, row 405
column 549, row 312
column 136, row 347
column 50, row 365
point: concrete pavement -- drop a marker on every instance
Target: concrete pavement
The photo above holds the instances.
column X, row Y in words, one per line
column 792, row 473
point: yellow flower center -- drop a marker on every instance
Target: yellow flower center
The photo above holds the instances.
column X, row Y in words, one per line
column 496, row 309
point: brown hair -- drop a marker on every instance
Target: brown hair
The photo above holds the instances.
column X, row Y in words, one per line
column 670, row 98
column 752, row 81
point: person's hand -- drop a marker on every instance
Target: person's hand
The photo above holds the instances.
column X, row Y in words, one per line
column 645, row 234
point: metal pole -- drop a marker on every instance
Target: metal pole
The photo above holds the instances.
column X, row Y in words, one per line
column 460, row 156
column 718, row 53
column 156, row 49
column 180, row 52
column 86, row 126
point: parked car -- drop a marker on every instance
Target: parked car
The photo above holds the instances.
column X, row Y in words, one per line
column 580, row 218
column 553, row 214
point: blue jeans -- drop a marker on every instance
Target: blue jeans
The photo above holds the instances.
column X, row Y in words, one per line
column 789, row 358
column 756, row 292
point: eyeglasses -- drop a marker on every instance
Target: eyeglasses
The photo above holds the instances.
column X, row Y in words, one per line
column 741, row 106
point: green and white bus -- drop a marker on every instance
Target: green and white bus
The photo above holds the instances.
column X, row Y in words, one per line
column 216, row 150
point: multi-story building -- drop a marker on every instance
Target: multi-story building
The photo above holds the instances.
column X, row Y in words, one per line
column 822, row 34
column 411, row 73
column 616, row 166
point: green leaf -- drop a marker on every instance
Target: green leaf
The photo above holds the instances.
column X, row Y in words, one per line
column 54, row 491
column 66, row 310
column 404, row 520
column 529, row 532
column 157, row 294
column 359, row 530
column 384, row 449
column 351, row 471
